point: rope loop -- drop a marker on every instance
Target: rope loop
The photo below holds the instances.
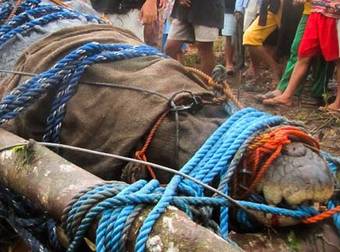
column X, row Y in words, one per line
column 210, row 161
column 248, row 132
column 267, row 147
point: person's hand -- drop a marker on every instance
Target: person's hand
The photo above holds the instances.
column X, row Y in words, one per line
column 238, row 15
column 162, row 4
column 148, row 13
column 185, row 3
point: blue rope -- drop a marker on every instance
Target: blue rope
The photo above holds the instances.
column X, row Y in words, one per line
column 117, row 207
column 117, row 204
column 213, row 159
column 5, row 11
column 104, row 53
column 7, row 7
column 46, row 19
column 336, row 217
column 27, row 16
column 65, row 76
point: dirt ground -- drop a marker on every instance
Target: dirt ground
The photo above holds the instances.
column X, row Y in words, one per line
column 323, row 126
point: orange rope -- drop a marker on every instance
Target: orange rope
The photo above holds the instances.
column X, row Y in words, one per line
column 229, row 94
column 211, row 83
column 267, row 147
column 325, row 215
column 141, row 154
column 201, row 75
column 106, row 19
column 60, row 3
column 16, row 6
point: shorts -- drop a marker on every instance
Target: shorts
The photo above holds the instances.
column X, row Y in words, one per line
column 320, row 37
column 184, row 31
column 255, row 35
column 338, row 31
column 229, row 28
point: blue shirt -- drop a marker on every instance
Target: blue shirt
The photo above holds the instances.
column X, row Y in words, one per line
column 240, row 5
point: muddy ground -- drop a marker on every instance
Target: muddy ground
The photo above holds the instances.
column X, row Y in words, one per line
column 322, row 125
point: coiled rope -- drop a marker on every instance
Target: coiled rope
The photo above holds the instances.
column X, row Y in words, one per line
column 211, row 160
column 65, row 76
column 8, row 10
column 119, row 204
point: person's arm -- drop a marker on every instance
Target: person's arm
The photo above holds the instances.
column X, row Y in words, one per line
column 149, row 13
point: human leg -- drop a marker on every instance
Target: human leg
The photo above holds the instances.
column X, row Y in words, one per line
column 205, row 37
column 229, row 31
column 293, row 55
column 207, row 56
column 336, row 104
column 179, row 33
column 309, row 47
column 229, row 54
column 322, row 72
column 173, row 48
column 253, row 39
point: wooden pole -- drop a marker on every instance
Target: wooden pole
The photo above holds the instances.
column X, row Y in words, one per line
column 51, row 182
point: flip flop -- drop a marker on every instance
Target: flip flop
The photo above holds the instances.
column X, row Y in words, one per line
column 275, row 102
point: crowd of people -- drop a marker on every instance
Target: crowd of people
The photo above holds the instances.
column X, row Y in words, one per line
column 201, row 22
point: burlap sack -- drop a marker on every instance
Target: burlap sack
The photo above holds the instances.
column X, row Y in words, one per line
column 117, row 120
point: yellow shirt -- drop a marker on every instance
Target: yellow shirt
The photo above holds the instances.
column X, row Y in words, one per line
column 307, row 8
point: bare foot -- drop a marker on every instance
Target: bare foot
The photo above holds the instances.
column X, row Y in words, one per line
column 334, row 107
column 268, row 95
column 278, row 100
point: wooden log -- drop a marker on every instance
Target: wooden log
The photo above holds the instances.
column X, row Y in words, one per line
column 51, row 182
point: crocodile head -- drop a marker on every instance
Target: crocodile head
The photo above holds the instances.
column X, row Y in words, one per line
column 300, row 176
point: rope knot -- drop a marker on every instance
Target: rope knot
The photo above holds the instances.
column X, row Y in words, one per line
column 266, row 148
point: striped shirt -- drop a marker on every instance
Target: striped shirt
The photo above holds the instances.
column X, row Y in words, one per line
column 329, row 8
column 307, row 8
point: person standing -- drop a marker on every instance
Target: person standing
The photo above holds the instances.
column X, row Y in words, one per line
column 229, row 31
column 196, row 21
column 320, row 70
column 152, row 18
column 320, row 38
column 256, row 34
